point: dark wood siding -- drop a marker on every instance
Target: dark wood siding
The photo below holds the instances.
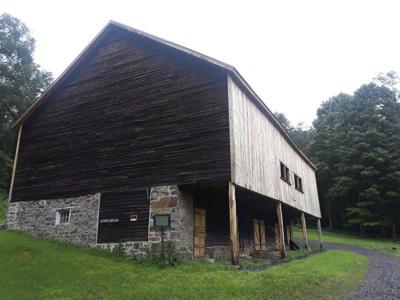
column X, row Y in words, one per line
column 120, row 206
column 135, row 114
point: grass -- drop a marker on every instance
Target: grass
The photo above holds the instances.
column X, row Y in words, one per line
column 40, row 269
column 390, row 246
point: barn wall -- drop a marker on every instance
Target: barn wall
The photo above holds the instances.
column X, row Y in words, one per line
column 116, row 209
column 257, row 149
column 178, row 238
column 38, row 218
column 133, row 115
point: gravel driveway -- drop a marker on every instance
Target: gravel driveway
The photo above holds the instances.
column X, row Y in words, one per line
column 382, row 280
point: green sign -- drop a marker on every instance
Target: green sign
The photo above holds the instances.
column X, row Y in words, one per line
column 162, row 220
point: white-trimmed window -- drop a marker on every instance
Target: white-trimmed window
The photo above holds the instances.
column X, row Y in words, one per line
column 63, row 216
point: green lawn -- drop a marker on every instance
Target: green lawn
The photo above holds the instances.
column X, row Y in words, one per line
column 37, row 269
column 390, row 246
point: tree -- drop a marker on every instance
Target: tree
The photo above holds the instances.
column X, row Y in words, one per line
column 21, row 82
column 299, row 134
column 355, row 146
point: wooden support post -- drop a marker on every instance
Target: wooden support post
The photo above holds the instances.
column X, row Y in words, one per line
column 321, row 243
column 277, row 247
column 281, row 230
column 162, row 255
column 304, row 227
column 15, row 164
column 233, row 225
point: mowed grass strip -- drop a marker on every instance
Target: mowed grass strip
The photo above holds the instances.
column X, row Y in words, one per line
column 390, row 246
column 39, row 269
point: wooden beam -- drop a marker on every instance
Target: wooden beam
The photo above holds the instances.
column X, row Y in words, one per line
column 233, row 225
column 277, row 247
column 288, row 237
column 304, row 227
column 281, row 230
column 321, row 243
column 15, row 164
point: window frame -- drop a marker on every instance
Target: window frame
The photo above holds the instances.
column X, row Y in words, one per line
column 298, row 183
column 284, row 170
column 60, row 219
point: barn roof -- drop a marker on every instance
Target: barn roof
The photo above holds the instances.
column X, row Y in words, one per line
column 230, row 69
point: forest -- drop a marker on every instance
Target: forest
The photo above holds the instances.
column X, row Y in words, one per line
column 354, row 140
column 355, row 144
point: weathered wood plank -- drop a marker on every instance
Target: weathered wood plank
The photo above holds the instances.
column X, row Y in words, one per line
column 304, row 229
column 233, row 225
column 10, row 192
column 135, row 114
column 321, row 242
column 258, row 147
column 120, row 206
column 282, row 248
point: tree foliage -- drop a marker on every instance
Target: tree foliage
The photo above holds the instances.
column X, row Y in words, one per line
column 355, row 144
column 21, row 82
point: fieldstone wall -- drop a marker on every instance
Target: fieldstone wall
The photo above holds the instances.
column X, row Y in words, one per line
column 38, row 218
column 166, row 200
column 179, row 204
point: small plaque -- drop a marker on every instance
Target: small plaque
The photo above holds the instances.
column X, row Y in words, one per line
column 109, row 221
column 162, row 220
column 133, row 218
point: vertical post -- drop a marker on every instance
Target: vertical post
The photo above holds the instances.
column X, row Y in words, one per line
column 15, row 164
column 277, row 247
column 321, row 243
column 281, row 230
column 233, row 225
column 304, row 226
column 162, row 256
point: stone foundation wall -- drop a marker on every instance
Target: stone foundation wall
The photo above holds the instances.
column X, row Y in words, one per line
column 38, row 218
column 179, row 238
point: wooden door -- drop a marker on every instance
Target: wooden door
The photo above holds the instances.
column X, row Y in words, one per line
column 199, row 232
column 260, row 241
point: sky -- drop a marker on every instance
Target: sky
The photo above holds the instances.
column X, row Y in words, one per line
column 295, row 54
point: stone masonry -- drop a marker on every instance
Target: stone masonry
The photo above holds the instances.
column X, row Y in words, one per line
column 38, row 218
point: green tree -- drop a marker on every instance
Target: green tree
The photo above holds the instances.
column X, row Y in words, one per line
column 21, row 82
column 355, row 147
column 300, row 134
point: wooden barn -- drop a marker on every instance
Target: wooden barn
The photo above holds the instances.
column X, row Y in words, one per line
column 138, row 127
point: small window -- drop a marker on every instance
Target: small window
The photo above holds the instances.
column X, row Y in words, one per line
column 63, row 216
column 285, row 175
column 298, row 183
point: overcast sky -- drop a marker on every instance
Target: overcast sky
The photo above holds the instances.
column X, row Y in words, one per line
column 295, row 54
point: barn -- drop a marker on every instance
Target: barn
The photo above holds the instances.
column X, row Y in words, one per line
column 139, row 127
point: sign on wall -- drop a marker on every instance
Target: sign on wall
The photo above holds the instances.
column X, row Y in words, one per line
column 162, row 220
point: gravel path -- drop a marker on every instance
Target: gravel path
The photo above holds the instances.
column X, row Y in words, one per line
column 382, row 280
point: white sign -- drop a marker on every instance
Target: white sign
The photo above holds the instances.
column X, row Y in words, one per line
column 109, row 221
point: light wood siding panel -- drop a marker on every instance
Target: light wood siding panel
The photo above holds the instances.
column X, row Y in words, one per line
column 257, row 147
